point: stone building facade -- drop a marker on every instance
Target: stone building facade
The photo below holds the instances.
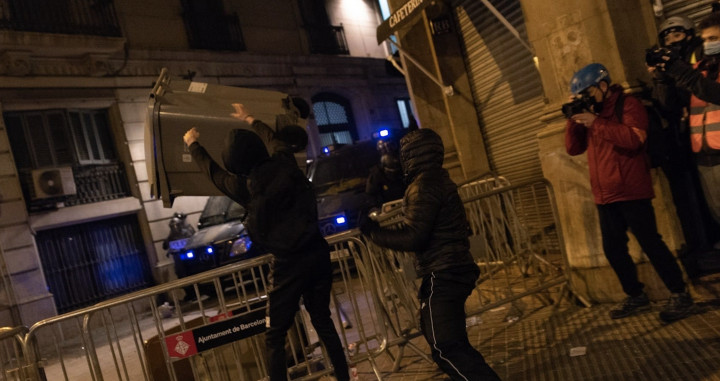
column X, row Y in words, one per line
column 74, row 83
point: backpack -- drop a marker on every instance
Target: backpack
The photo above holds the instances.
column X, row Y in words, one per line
column 659, row 140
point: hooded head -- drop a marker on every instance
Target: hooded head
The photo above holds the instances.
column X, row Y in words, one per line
column 293, row 137
column 243, row 151
column 420, row 150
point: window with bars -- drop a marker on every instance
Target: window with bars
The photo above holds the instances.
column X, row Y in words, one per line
column 334, row 119
column 53, row 138
column 80, row 139
column 87, row 263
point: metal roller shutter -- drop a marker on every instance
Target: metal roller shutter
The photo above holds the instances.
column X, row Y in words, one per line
column 506, row 87
column 508, row 95
column 694, row 9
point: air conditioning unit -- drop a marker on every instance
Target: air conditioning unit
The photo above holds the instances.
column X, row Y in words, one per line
column 53, row 182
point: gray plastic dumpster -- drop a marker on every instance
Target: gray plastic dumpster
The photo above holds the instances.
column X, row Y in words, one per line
column 176, row 105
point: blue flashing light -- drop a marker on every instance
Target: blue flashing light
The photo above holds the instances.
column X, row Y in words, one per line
column 384, row 133
column 340, row 220
column 189, row 255
column 326, row 150
column 209, row 250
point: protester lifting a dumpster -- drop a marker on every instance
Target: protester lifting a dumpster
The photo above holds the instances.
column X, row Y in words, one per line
column 282, row 218
column 612, row 128
column 435, row 227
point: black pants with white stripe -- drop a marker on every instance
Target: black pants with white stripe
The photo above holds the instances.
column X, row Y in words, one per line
column 442, row 313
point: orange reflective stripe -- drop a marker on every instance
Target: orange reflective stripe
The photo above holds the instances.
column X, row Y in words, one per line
column 713, row 139
column 696, row 120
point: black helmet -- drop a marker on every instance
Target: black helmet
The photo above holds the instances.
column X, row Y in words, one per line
column 390, row 163
column 177, row 220
column 674, row 24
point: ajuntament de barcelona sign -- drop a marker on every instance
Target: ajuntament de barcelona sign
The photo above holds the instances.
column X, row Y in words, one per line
column 399, row 18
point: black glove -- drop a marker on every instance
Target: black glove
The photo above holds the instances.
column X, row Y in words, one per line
column 660, row 57
column 366, row 224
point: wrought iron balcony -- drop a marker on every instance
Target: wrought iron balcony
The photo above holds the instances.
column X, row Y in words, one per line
column 87, row 17
column 93, row 183
column 327, row 39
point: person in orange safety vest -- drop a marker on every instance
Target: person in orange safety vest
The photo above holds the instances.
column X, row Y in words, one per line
column 703, row 81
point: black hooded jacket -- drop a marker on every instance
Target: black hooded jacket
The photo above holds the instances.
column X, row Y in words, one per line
column 280, row 201
column 434, row 226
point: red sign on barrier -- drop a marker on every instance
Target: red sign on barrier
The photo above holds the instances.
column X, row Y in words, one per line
column 228, row 330
column 181, row 345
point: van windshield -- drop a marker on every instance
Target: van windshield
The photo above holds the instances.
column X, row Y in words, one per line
column 218, row 210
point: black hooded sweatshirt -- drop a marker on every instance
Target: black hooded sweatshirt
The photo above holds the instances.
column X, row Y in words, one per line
column 280, row 201
column 434, row 225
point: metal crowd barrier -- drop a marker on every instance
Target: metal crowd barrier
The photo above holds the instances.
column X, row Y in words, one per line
column 14, row 361
column 132, row 338
column 515, row 241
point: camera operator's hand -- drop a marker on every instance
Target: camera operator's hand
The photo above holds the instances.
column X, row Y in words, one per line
column 659, row 58
column 191, row 136
column 586, row 118
column 241, row 113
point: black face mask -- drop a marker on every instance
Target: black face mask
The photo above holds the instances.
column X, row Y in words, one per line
column 679, row 47
column 593, row 104
column 596, row 106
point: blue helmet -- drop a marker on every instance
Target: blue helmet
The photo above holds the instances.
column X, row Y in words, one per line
column 588, row 76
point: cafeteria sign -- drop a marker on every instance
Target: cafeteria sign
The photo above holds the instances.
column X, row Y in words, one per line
column 228, row 330
column 400, row 18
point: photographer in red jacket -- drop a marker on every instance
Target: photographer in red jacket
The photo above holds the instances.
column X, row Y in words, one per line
column 622, row 187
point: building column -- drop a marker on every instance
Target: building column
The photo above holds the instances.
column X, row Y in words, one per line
column 567, row 36
column 453, row 116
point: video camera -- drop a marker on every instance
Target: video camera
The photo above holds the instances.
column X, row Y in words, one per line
column 577, row 106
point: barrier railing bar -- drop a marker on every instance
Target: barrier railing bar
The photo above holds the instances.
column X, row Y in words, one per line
column 138, row 339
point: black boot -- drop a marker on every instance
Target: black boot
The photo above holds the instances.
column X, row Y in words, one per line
column 678, row 306
column 630, row 306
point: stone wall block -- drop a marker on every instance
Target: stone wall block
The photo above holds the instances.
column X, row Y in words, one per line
column 21, row 260
column 16, row 236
